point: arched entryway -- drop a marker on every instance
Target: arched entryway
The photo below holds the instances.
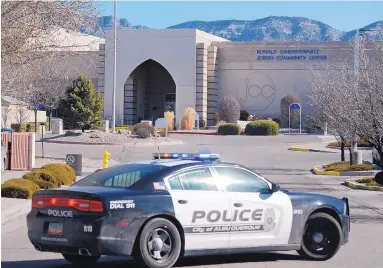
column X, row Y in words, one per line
column 149, row 91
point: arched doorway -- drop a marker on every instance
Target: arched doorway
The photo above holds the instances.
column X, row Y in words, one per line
column 149, row 91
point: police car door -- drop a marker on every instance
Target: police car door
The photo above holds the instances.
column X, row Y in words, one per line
column 259, row 217
column 200, row 207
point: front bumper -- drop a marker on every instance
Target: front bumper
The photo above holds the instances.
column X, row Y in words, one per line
column 346, row 223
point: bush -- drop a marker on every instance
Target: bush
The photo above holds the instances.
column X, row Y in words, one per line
column 286, row 101
column 229, row 129
column 19, row 127
column 145, row 126
column 15, row 191
column 169, row 117
column 72, row 133
column 47, row 177
column 229, row 110
column 361, row 143
column 379, row 177
column 19, row 188
column 262, row 128
column 345, row 166
column 244, row 115
column 71, row 171
column 187, row 122
column 143, row 133
column 61, row 173
column 83, row 105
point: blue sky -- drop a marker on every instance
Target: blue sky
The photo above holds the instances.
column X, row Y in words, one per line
column 340, row 15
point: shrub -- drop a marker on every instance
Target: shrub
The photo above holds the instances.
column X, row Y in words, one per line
column 262, row 128
column 361, row 143
column 345, row 166
column 229, row 110
column 244, row 115
column 72, row 133
column 286, row 101
column 187, row 122
column 143, row 133
column 169, row 117
column 379, row 177
column 71, row 171
column 83, row 105
column 25, row 183
column 143, row 125
column 61, row 173
column 229, row 129
column 16, row 191
column 365, row 180
column 19, row 127
column 38, row 175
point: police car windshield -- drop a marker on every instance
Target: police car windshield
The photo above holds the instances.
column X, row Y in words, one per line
column 123, row 176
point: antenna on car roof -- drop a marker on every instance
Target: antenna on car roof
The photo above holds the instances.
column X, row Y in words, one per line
column 159, row 155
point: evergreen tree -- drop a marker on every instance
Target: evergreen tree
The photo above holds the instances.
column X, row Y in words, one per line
column 83, row 105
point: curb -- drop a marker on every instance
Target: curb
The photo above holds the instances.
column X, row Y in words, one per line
column 114, row 144
column 317, row 171
column 300, row 149
column 359, row 186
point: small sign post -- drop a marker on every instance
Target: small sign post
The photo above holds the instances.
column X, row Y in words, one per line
column 75, row 161
column 295, row 106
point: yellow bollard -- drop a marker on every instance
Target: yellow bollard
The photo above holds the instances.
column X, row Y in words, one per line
column 105, row 160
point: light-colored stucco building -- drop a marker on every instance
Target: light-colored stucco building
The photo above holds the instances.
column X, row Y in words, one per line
column 159, row 70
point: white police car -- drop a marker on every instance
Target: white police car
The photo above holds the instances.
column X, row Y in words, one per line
column 181, row 204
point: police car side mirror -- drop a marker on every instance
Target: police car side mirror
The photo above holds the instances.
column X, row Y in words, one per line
column 275, row 188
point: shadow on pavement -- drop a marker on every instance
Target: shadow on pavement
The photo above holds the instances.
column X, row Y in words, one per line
column 184, row 262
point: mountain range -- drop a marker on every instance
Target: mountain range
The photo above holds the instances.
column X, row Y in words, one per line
column 266, row 29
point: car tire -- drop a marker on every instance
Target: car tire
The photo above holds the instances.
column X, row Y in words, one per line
column 159, row 244
column 322, row 237
column 80, row 260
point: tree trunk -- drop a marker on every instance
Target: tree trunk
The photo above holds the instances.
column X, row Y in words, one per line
column 50, row 118
column 350, row 149
column 342, row 157
column 36, row 126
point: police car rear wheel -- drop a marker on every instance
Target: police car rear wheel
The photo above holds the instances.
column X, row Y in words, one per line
column 160, row 244
column 80, row 259
column 322, row 237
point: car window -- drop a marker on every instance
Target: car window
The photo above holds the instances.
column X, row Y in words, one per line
column 197, row 180
column 240, row 180
column 120, row 176
column 175, row 183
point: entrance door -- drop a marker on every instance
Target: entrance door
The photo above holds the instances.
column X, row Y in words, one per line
column 259, row 217
column 201, row 208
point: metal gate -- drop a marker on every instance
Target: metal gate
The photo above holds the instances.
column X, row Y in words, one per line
column 19, row 151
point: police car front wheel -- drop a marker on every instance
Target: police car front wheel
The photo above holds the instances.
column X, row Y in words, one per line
column 159, row 244
column 81, row 259
column 322, row 237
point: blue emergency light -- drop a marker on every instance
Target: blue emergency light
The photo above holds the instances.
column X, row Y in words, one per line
column 198, row 156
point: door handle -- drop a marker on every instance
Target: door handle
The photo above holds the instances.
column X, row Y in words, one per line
column 238, row 205
column 182, row 201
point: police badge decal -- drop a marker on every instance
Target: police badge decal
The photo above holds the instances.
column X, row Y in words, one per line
column 269, row 220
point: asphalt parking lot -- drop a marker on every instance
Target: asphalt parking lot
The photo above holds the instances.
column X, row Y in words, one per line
column 266, row 155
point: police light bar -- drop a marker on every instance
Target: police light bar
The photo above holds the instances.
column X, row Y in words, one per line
column 201, row 156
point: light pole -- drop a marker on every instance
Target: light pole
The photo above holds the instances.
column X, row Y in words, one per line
column 359, row 32
column 114, row 68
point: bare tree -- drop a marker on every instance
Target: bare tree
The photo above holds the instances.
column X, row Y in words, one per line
column 331, row 92
column 22, row 114
column 5, row 114
column 371, row 84
column 33, row 31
